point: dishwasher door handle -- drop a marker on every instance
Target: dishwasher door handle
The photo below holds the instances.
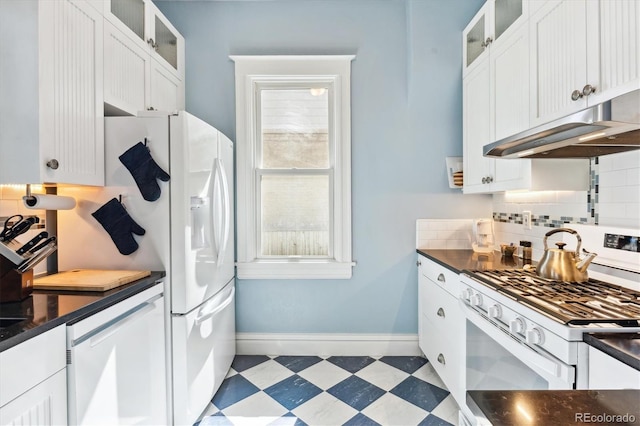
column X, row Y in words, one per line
column 108, row 329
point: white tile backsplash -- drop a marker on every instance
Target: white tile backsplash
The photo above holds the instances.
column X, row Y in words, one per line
column 619, row 189
column 451, row 234
column 616, row 193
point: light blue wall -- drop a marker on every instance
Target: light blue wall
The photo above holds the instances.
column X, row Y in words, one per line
column 406, row 118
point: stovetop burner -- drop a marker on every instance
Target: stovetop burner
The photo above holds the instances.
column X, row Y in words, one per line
column 570, row 303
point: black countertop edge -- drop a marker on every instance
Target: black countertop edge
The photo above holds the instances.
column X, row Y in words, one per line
column 110, row 298
column 555, row 407
column 465, row 260
column 438, row 261
column 613, row 344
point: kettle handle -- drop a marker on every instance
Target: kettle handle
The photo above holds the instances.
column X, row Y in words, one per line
column 568, row 230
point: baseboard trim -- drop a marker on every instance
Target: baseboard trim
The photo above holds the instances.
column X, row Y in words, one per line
column 325, row 345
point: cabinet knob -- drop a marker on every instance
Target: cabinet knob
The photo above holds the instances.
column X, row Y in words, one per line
column 440, row 313
column 418, row 263
column 53, row 164
column 151, row 108
column 575, row 95
column 441, row 278
column 489, row 179
column 588, row 89
column 441, row 359
column 153, row 44
column 487, row 42
column 484, row 180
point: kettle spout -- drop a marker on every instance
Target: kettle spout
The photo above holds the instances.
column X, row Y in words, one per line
column 584, row 263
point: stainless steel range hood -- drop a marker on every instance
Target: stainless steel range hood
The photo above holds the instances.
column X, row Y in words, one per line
column 607, row 128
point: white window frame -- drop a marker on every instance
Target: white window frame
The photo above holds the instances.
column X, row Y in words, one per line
column 253, row 73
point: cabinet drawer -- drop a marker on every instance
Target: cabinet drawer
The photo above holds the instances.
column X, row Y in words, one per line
column 31, row 362
column 444, row 357
column 441, row 309
column 443, row 277
column 441, row 336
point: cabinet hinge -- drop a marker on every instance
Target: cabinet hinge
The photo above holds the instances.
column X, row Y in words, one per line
column 68, row 356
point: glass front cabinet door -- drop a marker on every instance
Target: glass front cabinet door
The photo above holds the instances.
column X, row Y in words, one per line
column 494, row 19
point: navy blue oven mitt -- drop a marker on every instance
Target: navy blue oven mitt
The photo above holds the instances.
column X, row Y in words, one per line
column 120, row 226
column 145, row 170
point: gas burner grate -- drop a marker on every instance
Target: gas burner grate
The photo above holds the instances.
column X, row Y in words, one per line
column 570, row 303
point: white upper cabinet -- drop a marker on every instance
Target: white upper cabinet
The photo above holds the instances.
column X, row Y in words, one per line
column 476, row 117
column 583, row 52
column 493, row 22
column 496, row 92
column 144, row 59
column 51, row 100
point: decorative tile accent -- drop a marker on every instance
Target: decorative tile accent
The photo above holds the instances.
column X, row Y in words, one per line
column 594, row 189
column 541, row 220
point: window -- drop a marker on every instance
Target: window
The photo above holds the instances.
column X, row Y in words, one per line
column 293, row 166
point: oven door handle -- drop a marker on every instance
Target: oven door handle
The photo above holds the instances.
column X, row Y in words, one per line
column 550, row 368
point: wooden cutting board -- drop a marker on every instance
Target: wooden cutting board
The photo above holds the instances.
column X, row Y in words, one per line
column 88, row 279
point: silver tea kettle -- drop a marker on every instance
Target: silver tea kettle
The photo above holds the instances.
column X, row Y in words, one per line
column 564, row 265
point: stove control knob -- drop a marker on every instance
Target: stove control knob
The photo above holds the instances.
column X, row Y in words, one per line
column 476, row 300
column 495, row 311
column 517, row 325
column 466, row 294
column 535, row 336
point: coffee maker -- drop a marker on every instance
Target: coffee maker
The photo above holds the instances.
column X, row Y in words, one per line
column 483, row 236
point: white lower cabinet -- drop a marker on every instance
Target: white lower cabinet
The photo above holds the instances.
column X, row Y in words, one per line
column 441, row 324
column 33, row 383
column 606, row 372
column 44, row 404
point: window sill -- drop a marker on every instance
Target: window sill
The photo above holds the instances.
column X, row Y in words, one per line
column 298, row 269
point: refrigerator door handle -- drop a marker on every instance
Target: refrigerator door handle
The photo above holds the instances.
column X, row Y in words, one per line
column 226, row 201
column 214, row 208
column 206, row 315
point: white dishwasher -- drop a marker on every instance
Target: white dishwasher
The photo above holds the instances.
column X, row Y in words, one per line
column 116, row 363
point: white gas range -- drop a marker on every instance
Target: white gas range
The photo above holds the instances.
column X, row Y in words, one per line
column 525, row 332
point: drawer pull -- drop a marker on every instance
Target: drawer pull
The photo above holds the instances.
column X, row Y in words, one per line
column 441, row 278
column 440, row 312
column 441, row 359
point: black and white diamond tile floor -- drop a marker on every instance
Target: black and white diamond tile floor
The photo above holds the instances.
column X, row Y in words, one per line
column 339, row 390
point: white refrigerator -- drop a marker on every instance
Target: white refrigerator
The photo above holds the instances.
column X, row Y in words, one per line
column 189, row 234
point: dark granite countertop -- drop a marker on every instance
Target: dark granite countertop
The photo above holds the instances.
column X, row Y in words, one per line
column 624, row 347
column 46, row 309
column 563, row 407
column 460, row 260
